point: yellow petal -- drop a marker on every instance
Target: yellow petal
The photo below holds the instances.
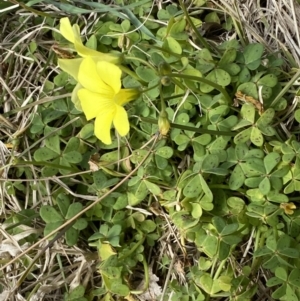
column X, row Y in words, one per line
column 103, row 125
column 93, row 103
column 72, row 34
column 120, row 121
column 85, row 52
column 75, row 99
column 110, row 74
column 126, row 95
column 66, row 30
column 90, row 79
column 71, row 66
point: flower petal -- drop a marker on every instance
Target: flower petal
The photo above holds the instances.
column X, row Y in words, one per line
column 126, row 95
column 93, row 104
column 90, row 79
column 120, row 121
column 71, row 66
column 72, row 34
column 85, row 52
column 103, row 125
column 66, row 30
column 110, row 74
column 75, row 99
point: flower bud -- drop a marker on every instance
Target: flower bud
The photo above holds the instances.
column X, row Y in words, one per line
column 164, row 68
column 165, row 81
column 163, row 123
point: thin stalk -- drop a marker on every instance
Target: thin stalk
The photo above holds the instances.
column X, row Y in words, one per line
column 203, row 80
column 287, row 86
column 202, row 40
column 189, row 128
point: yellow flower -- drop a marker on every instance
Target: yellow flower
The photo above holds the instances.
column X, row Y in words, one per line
column 71, row 66
column 101, row 97
column 288, row 207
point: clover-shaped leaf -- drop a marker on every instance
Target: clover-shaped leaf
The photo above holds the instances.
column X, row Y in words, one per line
column 252, row 55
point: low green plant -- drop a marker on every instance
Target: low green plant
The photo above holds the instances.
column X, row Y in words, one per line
column 205, row 148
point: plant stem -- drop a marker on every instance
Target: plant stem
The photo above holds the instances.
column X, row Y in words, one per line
column 203, row 80
column 189, row 128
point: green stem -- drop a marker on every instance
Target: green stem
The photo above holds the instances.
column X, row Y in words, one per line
column 222, row 186
column 129, row 72
column 259, row 243
column 150, row 88
column 203, row 80
column 132, row 58
column 219, row 270
column 146, row 279
column 286, row 88
column 132, row 249
column 44, row 163
column 192, row 129
column 202, row 40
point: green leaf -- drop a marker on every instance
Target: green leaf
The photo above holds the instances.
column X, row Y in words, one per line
column 50, row 227
column 193, row 187
column 237, row 204
column 237, row 178
column 297, row 115
column 229, row 229
column 44, row 154
column 172, row 45
column 80, row 224
column 72, row 157
column 273, row 282
column 256, row 137
column 210, row 246
column 74, row 209
column 72, row 236
column 269, row 80
column 224, row 250
column 248, row 112
column 280, row 292
column 281, row 273
column 252, row 55
column 244, row 75
column 231, row 239
column 262, row 252
column 219, row 223
column 153, row 188
column 208, row 194
column 256, row 164
column 217, row 76
column 243, row 136
column 196, row 210
column 161, row 162
column 72, row 145
column 228, row 56
column 289, row 252
column 266, row 118
column 210, row 162
column 119, row 289
column 265, row 186
column 294, row 278
column 165, row 152
column 63, row 203
column 77, row 292
column 146, row 74
column 50, row 215
column 53, row 143
column 270, row 161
